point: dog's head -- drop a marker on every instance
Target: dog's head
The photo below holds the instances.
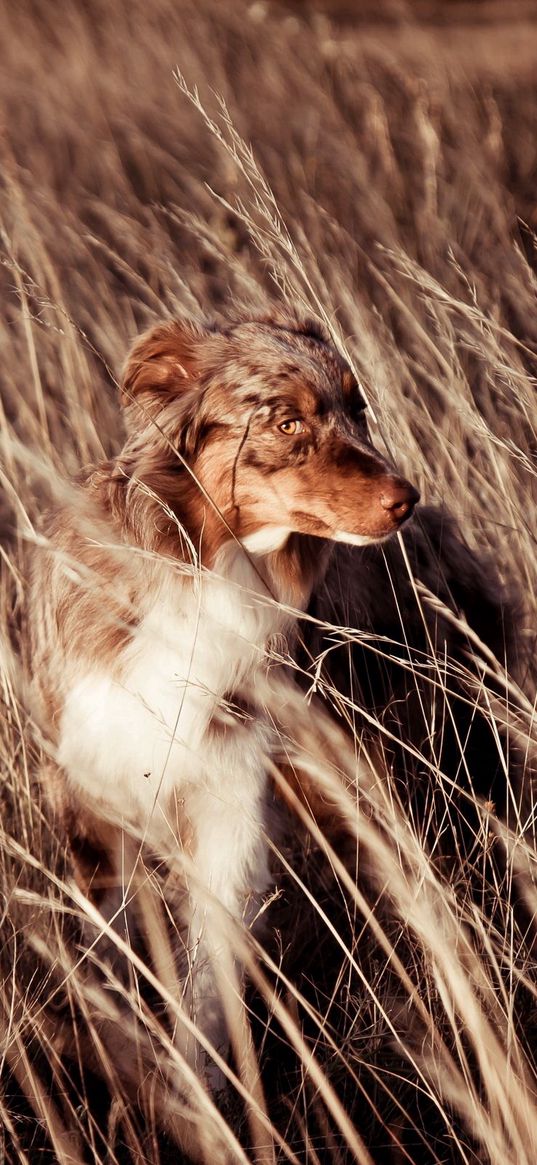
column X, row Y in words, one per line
column 270, row 421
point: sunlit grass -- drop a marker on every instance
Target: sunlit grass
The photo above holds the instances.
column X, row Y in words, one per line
column 392, row 998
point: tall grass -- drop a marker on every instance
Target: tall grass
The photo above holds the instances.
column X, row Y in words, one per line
column 203, row 158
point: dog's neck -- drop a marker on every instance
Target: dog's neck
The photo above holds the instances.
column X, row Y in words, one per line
column 272, row 561
column 286, row 573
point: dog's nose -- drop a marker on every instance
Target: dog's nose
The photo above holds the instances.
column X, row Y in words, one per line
column 399, row 497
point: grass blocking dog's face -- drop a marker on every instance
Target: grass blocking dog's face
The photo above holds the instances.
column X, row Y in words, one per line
column 271, row 420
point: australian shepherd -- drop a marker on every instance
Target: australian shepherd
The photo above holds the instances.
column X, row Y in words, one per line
column 159, row 594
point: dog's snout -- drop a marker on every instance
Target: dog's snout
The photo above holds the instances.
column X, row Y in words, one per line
column 399, row 497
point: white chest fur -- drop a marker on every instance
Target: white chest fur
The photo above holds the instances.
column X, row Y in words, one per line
column 136, row 742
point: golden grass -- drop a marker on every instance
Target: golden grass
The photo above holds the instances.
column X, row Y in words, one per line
column 181, row 157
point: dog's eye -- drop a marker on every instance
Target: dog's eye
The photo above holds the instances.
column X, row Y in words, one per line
column 357, row 413
column 357, row 405
column 291, row 428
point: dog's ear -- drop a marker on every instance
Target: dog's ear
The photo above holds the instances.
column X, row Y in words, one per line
column 163, row 366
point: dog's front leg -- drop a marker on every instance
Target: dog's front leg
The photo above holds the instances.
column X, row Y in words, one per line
column 229, row 877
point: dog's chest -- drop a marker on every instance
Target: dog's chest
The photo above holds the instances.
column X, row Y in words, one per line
column 133, row 741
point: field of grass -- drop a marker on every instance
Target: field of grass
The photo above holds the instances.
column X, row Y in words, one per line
column 376, row 168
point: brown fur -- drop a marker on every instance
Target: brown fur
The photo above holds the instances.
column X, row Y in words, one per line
column 204, row 462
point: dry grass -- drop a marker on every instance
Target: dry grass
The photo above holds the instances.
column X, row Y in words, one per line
column 389, row 190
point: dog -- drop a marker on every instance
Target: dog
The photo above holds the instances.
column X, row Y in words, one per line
column 158, row 596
